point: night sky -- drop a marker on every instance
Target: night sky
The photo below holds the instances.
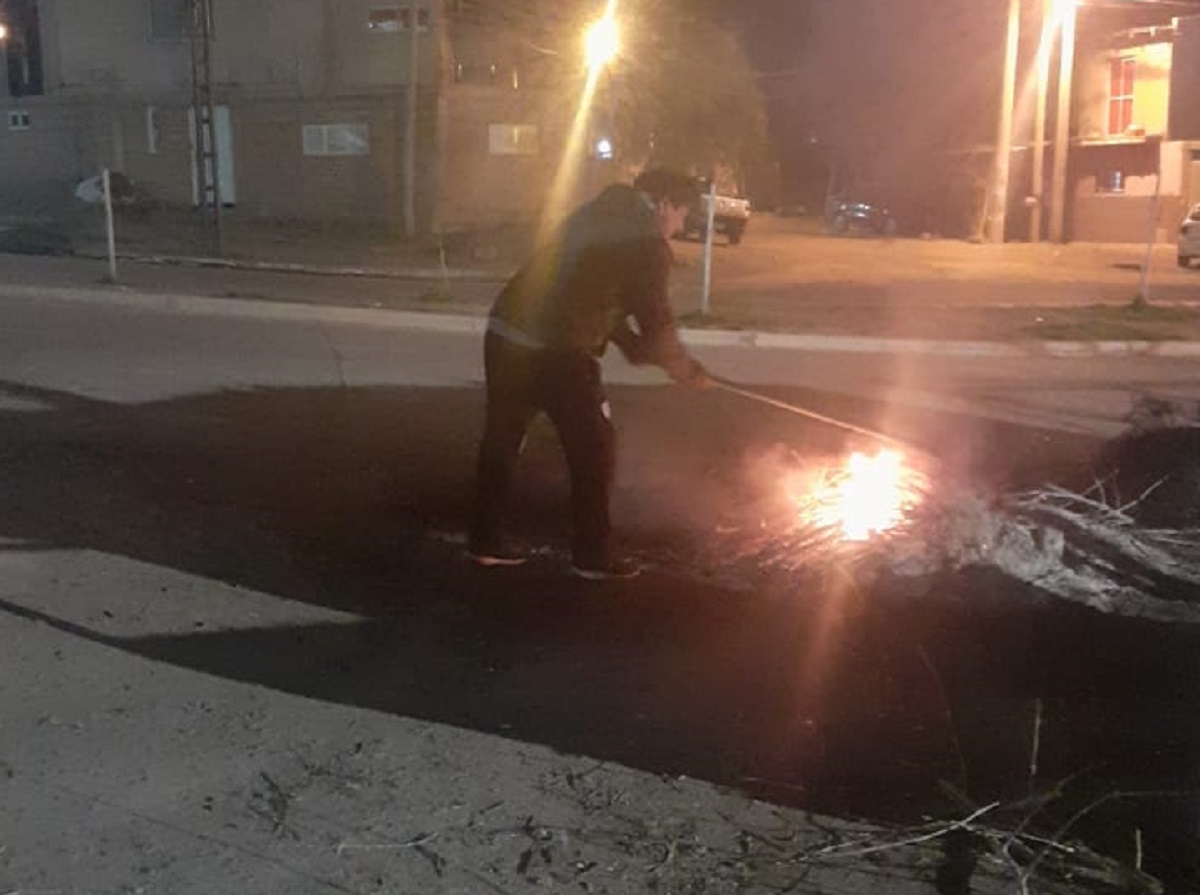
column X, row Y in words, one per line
column 873, row 87
column 886, row 88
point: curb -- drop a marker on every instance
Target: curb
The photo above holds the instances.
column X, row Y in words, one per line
column 458, row 274
column 474, row 323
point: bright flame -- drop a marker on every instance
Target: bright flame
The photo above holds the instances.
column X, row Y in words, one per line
column 867, row 495
column 870, row 499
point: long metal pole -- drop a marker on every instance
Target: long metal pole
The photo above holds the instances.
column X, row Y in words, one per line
column 109, row 230
column 435, row 168
column 735, row 389
column 706, row 279
column 5, row 87
column 1062, row 126
column 214, row 152
column 410, row 123
column 1151, row 234
column 197, row 119
column 1037, row 182
column 1004, row 135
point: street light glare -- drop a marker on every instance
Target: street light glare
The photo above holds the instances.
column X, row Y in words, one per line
column 1064, row 8
column 3, row 32
column 601, row 43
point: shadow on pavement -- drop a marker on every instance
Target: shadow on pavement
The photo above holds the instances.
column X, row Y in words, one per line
column 806, row 692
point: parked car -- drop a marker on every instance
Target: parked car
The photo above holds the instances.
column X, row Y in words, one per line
column 730, row 217
column 859, row 213
column 1189, row 238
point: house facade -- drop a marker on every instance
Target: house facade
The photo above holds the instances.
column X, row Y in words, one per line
column 311, row 106
column 1135, row 153
column 512, row 116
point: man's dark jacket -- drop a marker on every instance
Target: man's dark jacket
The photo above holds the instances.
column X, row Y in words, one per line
column 607, row 262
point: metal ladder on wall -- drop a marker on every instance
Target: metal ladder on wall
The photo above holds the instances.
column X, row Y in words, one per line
column 208, row 184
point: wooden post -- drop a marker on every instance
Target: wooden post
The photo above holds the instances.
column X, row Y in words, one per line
column 1062, row 127
column 410, row 122
column 1038, row 174
column 1004, row 136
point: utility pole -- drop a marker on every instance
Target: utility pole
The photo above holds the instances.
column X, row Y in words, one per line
column 1062, row 125
column 198, row 156
column 439, row 30
column 5, row 89
column 1037, row 186
column 410, row 123
column 1004, row 137
column 204, row 113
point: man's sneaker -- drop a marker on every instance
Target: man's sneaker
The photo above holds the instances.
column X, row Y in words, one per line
column 495, row 556
column 610, row 570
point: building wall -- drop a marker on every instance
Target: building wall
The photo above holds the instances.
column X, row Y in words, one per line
column 279, row 65
column 1100, row 214
column 482, row 186
column 41, row 164
column 109, row 53
column 305, row 47
column 278, row 180
column 1185, row 81
column 275, row 178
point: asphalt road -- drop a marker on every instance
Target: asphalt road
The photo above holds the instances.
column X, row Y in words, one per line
column 329, row 465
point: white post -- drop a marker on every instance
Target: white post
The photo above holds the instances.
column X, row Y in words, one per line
column 708, row 245
column 1143, row 295
column 108, row 224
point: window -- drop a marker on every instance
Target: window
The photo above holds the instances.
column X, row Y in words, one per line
column 337, row 139
column 1120, row 96
column 18, row 121
column 513, row 139
column 501, row 74
column 384, row 19
column 1111, row 180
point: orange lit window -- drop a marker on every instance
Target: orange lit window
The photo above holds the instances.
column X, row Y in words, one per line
column 1120, row 96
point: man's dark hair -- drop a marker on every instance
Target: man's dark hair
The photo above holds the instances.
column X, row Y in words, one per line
column 663, row 183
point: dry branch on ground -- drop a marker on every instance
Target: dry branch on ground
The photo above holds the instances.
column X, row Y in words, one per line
column 1085, row 547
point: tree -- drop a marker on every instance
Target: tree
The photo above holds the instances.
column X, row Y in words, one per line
column 685, row 94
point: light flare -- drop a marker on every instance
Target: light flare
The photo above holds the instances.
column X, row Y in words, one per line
column 602, row 42
column 561, row 193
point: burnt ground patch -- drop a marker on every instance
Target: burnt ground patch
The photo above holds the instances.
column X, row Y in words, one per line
column 805, row 690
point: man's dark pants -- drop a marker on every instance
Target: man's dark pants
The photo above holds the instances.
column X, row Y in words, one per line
column 566, row 386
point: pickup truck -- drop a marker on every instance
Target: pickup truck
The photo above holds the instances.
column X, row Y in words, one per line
column 731, row 215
